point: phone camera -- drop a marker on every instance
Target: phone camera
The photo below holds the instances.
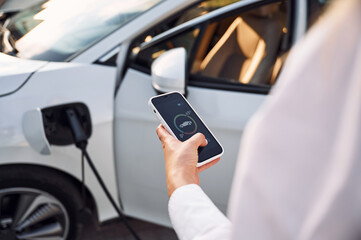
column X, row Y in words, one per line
column 154, row 111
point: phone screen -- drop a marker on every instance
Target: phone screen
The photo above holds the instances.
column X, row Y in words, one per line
column 184, row 123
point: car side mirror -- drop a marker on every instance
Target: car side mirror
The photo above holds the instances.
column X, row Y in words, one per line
column 169, row 71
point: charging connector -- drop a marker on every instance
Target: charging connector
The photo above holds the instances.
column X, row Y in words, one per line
column 78, row 133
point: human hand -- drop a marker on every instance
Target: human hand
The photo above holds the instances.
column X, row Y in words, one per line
column 181, row 159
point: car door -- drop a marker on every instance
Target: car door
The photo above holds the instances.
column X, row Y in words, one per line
column 234, row 56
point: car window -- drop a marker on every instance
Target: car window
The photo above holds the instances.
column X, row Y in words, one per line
column 183, row 16
column 146, row 57
column 246, row 48
column 202, row 8
column 54, row 30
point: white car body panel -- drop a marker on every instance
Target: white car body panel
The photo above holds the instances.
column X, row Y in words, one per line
column 60, row 83
column 14, row 72
column 300, row 20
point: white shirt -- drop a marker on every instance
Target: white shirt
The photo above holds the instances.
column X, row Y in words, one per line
column 298, row 174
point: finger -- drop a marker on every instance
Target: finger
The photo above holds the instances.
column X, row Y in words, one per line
column 208, row 165
column 164, row 135
column 204, row 143
column 197, row 140
column 162, row 132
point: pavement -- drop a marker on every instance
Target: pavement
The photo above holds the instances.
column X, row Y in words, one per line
column 116, row 230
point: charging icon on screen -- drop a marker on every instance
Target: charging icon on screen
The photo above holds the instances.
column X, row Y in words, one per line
column 185, row 124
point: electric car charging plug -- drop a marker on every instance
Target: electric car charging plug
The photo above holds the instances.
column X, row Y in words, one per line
column 81, row 143
column 78, row 133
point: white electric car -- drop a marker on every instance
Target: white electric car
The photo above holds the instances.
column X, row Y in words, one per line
column 224, row 55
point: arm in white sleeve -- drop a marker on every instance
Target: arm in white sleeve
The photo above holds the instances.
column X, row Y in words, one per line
column 194, row 216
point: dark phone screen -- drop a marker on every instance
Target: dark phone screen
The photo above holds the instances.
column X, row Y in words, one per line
column 184, row 123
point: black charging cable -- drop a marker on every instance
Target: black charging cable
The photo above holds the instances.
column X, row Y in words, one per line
column 81, row 143
column 82, row 179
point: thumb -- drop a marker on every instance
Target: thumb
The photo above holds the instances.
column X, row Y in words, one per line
column 198, row 140
column 162, row 133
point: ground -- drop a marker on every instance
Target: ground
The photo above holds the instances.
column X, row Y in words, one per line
column 116, row 230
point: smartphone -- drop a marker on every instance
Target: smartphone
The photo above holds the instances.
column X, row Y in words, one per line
column 181, row 120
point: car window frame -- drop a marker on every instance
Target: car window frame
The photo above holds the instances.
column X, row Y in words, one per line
column 201, row 22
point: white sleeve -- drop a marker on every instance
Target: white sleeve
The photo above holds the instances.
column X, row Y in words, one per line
column 298, row 173
column 194, row 216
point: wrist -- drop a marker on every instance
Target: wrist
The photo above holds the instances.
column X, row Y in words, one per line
column 178, row 179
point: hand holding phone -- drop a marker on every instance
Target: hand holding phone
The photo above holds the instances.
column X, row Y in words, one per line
column 181, row 159
column 181, row 120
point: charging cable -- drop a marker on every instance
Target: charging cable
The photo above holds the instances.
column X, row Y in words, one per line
column 81, row 143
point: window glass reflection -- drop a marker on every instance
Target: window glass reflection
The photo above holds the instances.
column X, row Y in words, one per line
column 56, row 29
